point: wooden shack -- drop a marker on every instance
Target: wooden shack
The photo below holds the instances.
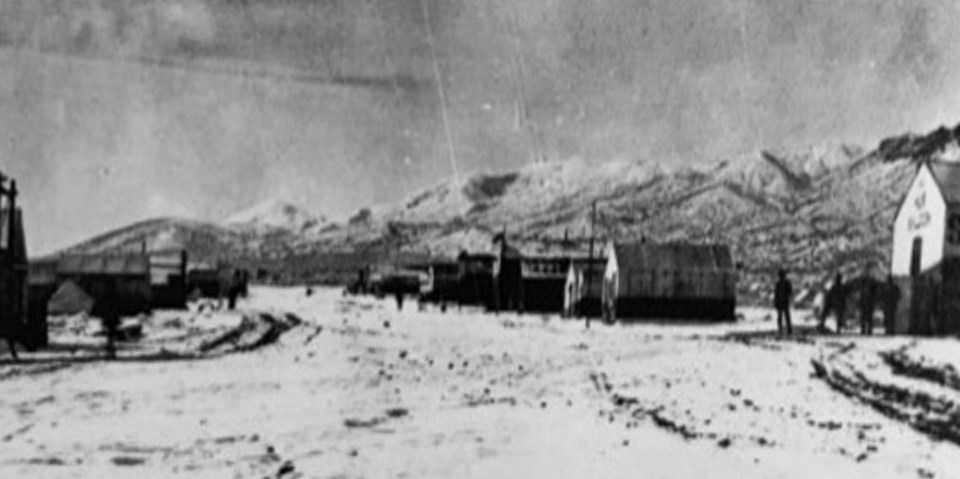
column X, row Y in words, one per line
column 584, row 286
column 508, row 291
column 168, row 279
column 475, row 279
column 543, row 282
column 669, row 280
column 925, row 261
column 127, row 274
column 206, row 280
column 442, row 282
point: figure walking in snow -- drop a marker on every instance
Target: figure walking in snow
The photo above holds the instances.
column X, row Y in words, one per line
column 836, row 303
column 107, row 308
column 781, row 301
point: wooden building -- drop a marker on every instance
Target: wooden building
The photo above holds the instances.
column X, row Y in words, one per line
column 584, row 285
column 391, row 281
column 127, row 274
column 543, row 283
column 207, row 280
column 442, row 282
column 168, row 279
column 476, row 285
column 508, row 293
column 670, row 280
column 925, row 261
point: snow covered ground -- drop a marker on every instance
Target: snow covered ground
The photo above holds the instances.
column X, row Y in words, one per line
column 359, row 389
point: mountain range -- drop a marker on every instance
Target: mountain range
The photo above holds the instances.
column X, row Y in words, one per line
column 815, row 211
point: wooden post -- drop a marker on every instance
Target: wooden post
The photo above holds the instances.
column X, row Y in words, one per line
column 12, row 219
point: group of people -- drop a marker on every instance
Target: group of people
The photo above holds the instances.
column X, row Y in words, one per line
column 871, row 292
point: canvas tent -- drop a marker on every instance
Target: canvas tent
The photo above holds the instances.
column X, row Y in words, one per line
column 69, row 299
column 669, row 280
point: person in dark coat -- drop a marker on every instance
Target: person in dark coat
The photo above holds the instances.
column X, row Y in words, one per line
column 233, row 291
column 398, row 294
column 783, row 292
column 108, row 309
column 868, row 298
column 836, row 303
column 891, row 298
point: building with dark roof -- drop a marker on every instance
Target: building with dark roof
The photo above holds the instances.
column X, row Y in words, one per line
column 476, row 280
column 543, row 281
column 442, row 282
column 168, row 279
column 128, row 275
column 669, row 280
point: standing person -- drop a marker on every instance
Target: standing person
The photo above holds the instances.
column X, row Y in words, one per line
column 835, row 302
column 781, row 301
column 891, row 299
column 868, row 297
column 398, row 294
column 107, row 308
column 233, row 291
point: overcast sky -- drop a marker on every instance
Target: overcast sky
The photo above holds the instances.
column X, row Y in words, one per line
column 112, row 111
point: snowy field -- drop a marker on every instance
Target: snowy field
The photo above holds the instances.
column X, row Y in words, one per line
column 332, row 387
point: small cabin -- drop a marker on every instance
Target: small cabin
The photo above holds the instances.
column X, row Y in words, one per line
column 203, row 280
column 127, row 274
column 441, row 283
column 168, row 279
column 669, row 280
column 543, row 281
column 476, row 279
column 508, row 291
column 583, row 287
column 925, row 261
column 214, row 281
column 404, row 281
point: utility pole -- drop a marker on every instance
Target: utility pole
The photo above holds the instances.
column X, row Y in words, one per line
column 593, row 222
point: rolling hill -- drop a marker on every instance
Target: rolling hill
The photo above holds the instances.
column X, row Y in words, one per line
column 815, row 211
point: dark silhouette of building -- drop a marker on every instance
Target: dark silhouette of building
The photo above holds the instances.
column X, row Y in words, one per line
column 476, row 280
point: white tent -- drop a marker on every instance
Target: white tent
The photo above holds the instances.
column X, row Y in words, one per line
column 69, row 299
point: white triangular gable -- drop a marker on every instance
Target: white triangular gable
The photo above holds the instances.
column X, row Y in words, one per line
column 922, row 215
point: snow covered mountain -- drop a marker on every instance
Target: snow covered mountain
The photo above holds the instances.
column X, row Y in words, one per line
column 815, row 211
column 275, row 215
